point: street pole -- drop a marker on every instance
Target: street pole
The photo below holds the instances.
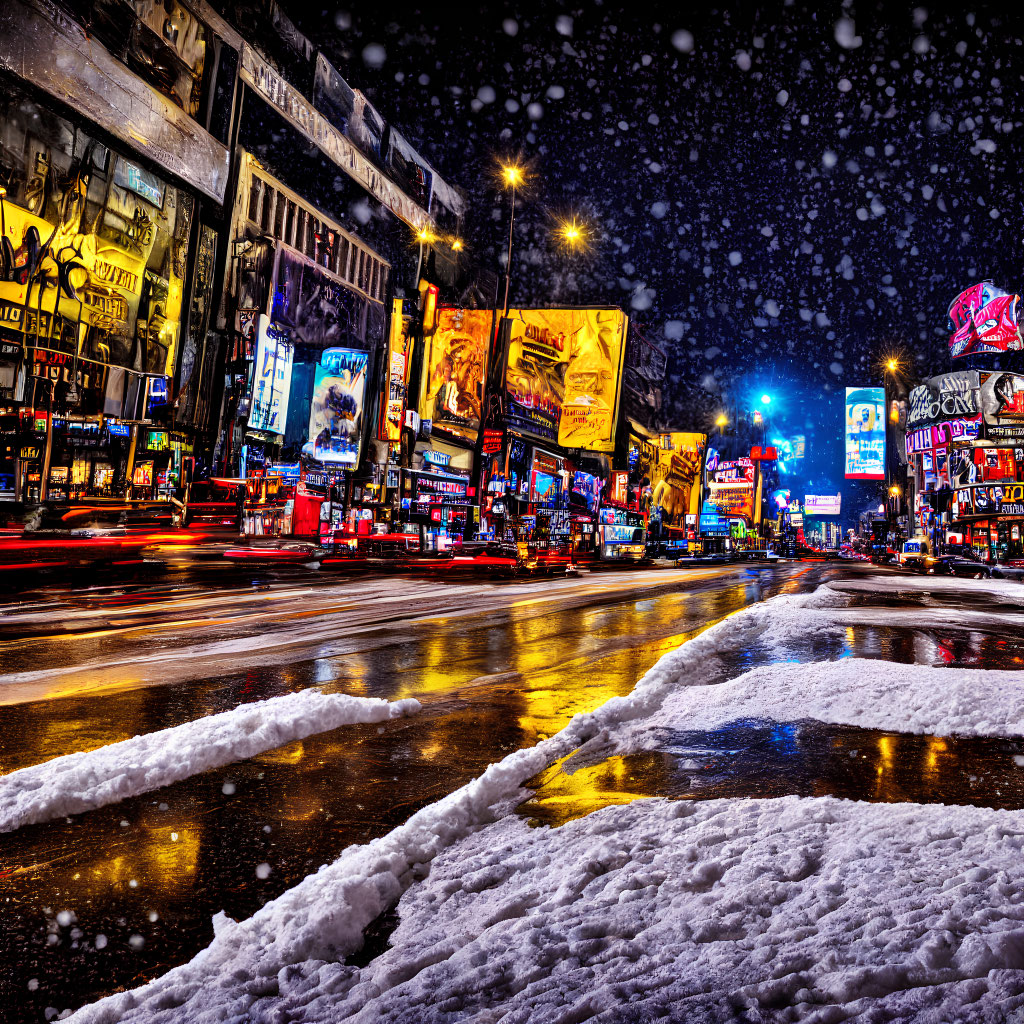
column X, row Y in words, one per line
column 508, row 262
column 44, row 478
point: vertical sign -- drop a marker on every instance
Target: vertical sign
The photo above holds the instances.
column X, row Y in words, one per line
column 394, row 391
column 865, row 433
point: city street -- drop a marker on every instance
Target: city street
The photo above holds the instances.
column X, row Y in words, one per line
column 109, row 898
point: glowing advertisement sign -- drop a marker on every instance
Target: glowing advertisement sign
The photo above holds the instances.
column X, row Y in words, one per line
column 674, row 473
column 1002, row 404
column 336, row 413
column 563, row 373
column 983, row 318
column 822, row 504
column 394, row 394
column 272, row 378
column 457, row 356
column 989, row 500
column 865, row 433
column 732, row 500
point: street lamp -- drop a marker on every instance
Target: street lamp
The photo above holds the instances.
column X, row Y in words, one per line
column 722, row 422
column 512, row 177
column 572, row 234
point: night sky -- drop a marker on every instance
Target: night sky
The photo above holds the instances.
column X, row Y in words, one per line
column 782, row 192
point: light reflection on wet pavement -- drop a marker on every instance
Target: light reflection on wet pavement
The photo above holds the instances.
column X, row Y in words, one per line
column 149, row 874
column 774, row 759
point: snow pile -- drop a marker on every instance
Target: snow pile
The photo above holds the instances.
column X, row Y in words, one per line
column 787, row 909
column 853, row 691
column 323, row 917
column 91, row 779
column 1008, row 591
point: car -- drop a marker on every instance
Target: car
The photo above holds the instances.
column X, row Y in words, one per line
column 959, row 564
column 1008, row 571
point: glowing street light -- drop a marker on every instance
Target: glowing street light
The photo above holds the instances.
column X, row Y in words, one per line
column 572, row 234
column 457, row 245
column 766, row 399
column 722, row 421
column 512, row 176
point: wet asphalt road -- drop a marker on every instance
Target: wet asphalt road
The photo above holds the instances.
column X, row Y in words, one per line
column 114, row 896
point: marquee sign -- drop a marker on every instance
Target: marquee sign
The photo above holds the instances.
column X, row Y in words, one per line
column 946, row 397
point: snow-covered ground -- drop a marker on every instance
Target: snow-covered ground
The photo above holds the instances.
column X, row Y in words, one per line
column 88, row 779
column 810, row 909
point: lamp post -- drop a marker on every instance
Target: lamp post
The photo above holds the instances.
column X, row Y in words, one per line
column 891, row 369
column 512, row 177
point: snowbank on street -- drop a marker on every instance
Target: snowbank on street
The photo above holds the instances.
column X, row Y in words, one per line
column 321, row 920
column 788, row 909
column 853, row 691
column 84, row 781
column 1005, row 590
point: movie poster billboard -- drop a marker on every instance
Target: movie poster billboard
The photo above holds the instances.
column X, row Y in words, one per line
column 822, row 504
column 865, row 433
column 396, row 379
column 983, row 318
column 563, row 373
column 455, row 365
column 272, row 377
column 336, row 413
column 675, row 473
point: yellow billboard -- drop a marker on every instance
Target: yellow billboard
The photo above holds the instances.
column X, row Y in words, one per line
column 453, row 390
column 95, row 265
column 563, row 374
column 675, row 475
column 396, row 376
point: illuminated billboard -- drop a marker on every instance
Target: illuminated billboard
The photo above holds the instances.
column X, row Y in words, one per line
column 455, row 364
column 983, row 318
column 675, row 471
column 730, row 500
column 563, row 373
column 865, row 433
column 336, row 414
column 393, row 396
column 272, row 378
column 822, row 504
column 94, row 247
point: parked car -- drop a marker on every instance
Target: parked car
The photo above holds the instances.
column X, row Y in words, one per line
column 963, row 561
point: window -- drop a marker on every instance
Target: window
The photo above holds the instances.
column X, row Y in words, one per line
column 279, row 217
column 300, row 230
column 312, row 228
column 255, row 190
column 343, row 250
column 289, row 223
column 364, row 273
column 268, row 208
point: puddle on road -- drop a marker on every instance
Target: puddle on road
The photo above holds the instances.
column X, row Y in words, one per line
column 773, row 759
